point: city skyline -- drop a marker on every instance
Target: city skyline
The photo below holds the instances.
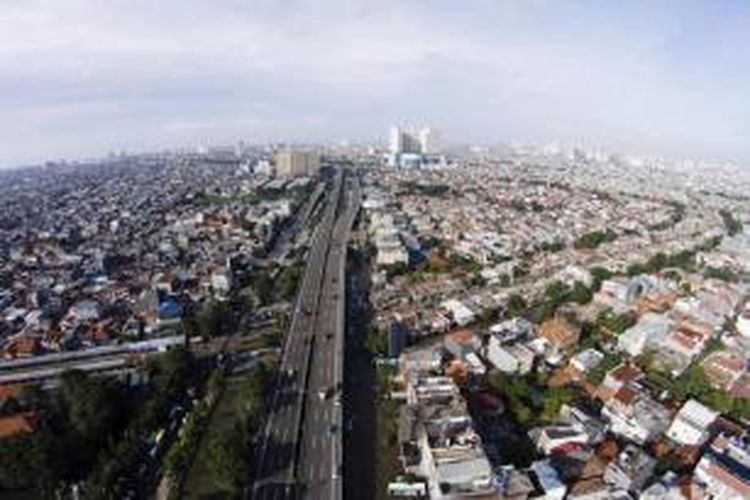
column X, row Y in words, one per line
column 82, row 80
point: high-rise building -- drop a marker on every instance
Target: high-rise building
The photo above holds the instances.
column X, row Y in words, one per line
column 429, row 143
column 395, row 140
column 402, row 141
column 297, row 163
column 412, row 148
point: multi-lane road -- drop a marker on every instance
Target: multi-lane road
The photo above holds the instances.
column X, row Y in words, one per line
column 320, row 460
column 301, row 450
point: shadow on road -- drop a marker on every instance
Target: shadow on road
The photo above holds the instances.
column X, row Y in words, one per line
column 359, row 387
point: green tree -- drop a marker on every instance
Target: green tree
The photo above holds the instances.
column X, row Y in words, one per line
column 227, row 463
column 581, row 293
column 597, row 374
column 215, row 318
column 91, row 406
column 520, row 270
column 170, row 374
column 692, row 384
column 477, row 280
column 93, row 413
column 554, row 399
column 397, row 269
column 262, row 284
column 14, row 455
column 723, row 274
column 732, row 224
column 595, row 238
column 251, row 400
column 657, row 262
column 591, row 336
column 684, row 260
column 516, row 305
column 599, row 274
column 637, row 268
column 289, row 279
column 376, row 342
column 556, row 291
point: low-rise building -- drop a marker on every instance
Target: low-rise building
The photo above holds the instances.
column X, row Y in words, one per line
column 560, row 333
column 586, row 360
column 692, row 424
column 551, row 438
column 510, row 359
column 461, row 314
column 634, row 415
column 632, row 469
column 650, row 330
column 724, row 470
column 617, row 378
column 547, row 480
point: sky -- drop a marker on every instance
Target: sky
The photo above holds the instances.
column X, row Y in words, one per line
column 81, row 78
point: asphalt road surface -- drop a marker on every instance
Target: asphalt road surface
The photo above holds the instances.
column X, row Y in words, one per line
column 300, row 455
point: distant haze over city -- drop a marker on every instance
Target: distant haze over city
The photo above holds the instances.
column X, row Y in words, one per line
column 82, row 78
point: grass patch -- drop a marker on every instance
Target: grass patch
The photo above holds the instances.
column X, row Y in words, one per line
column 387, row 465
column 199, row 482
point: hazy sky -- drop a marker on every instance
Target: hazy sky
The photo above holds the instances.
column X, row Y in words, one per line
column 82, row 78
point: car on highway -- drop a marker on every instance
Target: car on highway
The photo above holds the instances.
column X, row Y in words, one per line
column 325, row 394
column 336, row 473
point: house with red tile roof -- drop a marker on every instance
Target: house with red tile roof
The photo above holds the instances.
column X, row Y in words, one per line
column 723, row 472
column 14, row 425
column 561, row 334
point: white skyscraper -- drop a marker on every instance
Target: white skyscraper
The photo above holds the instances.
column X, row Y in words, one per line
column 428, row 141
column 396, row 140
column 403, row 141
column 412, row 148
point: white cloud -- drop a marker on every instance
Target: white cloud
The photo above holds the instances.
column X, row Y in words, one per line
column 145, row 73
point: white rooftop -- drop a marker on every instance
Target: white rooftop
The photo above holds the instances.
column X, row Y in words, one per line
column 697, row 413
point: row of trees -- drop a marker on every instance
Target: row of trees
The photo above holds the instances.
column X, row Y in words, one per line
column 677, row 214
column 721, row 273
column 170, row 376
column 694, row 384
column 556, row 294
column 92, row 429
column 425, row 189
column 74, row 425
column 230, row 453
column 213, row 318
column 684, row 260
column 595, row 238
column 529, row 400
column 732, row 224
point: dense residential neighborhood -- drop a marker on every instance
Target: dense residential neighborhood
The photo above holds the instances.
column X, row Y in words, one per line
column 374, row 250
column 557, row 326
column 139, row 297
column 523, row 324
